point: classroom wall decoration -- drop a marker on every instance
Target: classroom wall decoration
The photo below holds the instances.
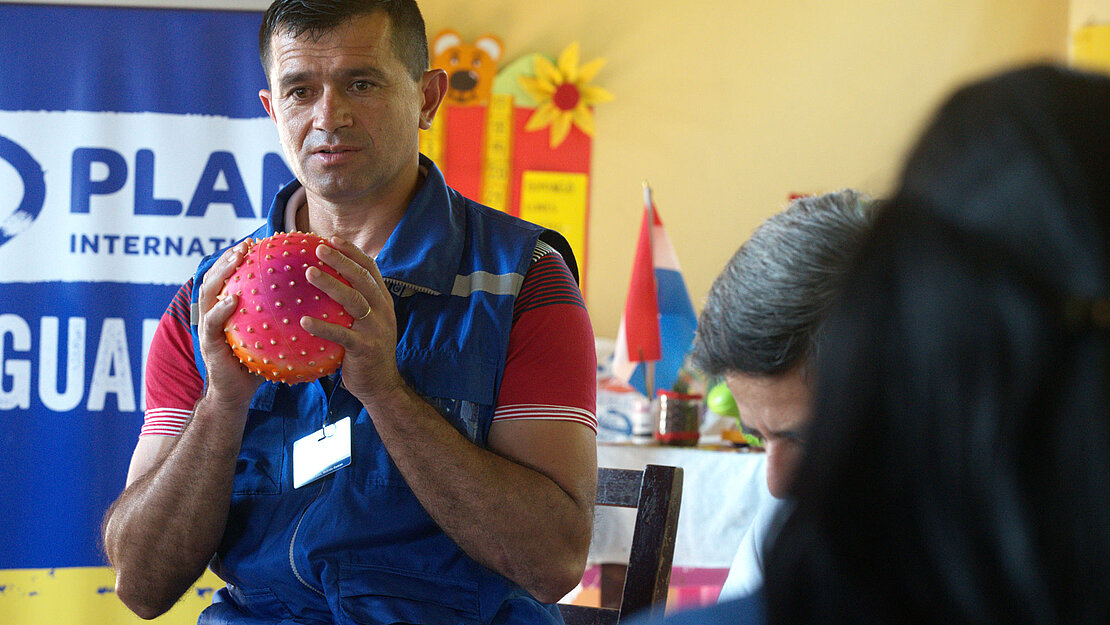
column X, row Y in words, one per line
column 1090, row 47
column 518, row 138
column 470, row 67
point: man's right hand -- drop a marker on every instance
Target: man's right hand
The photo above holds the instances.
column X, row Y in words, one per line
column 229, row 384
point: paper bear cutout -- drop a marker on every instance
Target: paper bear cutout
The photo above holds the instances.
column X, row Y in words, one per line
column 470, row 68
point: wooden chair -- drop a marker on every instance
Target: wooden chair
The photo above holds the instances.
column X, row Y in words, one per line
column 656, row 493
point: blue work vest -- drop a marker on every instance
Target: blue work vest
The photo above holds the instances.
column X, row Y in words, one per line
column 357, row 546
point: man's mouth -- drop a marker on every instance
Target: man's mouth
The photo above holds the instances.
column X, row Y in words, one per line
column 334, row 154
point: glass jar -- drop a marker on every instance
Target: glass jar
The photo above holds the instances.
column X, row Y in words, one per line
column 677, row 418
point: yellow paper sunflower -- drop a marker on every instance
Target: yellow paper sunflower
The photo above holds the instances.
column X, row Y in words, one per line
column 563, row 94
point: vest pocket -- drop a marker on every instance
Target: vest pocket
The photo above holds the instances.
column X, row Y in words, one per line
column 260, row 466
column 377, row 594
column 259, row 603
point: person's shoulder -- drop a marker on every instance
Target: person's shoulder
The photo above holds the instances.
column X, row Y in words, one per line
column 747, row 610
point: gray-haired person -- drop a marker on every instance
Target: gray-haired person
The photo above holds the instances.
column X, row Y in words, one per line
column 760, row 329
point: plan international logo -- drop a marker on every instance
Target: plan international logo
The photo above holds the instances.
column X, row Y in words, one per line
column 129, row 197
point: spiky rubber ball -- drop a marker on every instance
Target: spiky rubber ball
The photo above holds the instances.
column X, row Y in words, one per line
column 265, row 330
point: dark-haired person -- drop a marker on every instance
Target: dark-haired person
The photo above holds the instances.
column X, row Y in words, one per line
column 468, row 378
column 959, row 462
column 958, row 456
column 760, row 329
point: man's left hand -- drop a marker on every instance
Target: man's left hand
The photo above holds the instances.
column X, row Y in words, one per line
column 370, row 362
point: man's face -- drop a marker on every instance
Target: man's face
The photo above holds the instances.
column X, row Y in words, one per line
column 347, row 111
column 777, row 409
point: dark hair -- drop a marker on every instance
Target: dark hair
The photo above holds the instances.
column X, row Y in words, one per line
column 764, row 310
column 316, row 17
column 959, row 455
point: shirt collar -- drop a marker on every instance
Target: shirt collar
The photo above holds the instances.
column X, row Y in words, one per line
column 425, row 247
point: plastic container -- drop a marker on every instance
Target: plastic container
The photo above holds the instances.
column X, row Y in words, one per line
column 623, row 414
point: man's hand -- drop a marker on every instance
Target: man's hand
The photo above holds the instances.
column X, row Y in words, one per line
column 229, row 382
column 370, row 344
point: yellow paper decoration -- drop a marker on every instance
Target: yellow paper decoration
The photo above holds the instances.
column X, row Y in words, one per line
column 1091, row 47
column 497, row 165
column 557, row 200
column 564, row 94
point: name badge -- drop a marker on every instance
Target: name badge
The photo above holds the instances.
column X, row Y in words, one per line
column 324, row 451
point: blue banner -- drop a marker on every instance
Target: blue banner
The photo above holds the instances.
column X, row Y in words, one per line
column 68, row 58
column 70, row 410
column 132, row 143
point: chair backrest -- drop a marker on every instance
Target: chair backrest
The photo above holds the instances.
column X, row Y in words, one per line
column 656, row 493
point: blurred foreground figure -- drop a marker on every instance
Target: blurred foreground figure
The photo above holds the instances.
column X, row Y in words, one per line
column 958, row 461
column 960, row 450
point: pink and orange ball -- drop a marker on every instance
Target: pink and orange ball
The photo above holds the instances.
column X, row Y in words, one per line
column 265, row 330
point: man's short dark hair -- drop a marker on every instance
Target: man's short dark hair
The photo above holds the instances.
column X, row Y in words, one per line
column 764, row 311
column 317, row 17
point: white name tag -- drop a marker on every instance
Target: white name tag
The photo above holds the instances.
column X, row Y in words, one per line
column 322, row 452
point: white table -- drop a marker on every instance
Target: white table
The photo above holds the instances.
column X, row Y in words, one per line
column 721, row 491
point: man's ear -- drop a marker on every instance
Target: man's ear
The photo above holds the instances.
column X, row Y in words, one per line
column 433, row 86
column 267, row 102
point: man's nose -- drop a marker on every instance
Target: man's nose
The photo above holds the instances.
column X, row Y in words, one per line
column 332, row 111
column 778, row 470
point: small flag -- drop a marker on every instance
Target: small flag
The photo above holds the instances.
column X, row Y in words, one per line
column 657, row 327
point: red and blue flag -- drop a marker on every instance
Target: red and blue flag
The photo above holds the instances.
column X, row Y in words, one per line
column 658, row 324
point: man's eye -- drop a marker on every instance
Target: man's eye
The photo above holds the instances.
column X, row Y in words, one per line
column 298, row 93
column 360, row 86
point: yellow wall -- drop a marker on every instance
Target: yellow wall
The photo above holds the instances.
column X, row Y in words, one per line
column 1085, row 12
column 727, row 107
column 1089, row 44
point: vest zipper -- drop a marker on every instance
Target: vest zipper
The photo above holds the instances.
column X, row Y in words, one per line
column 293, row 540
column 419, row 289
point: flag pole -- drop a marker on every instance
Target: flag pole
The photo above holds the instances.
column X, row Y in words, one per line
column 649, row 365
